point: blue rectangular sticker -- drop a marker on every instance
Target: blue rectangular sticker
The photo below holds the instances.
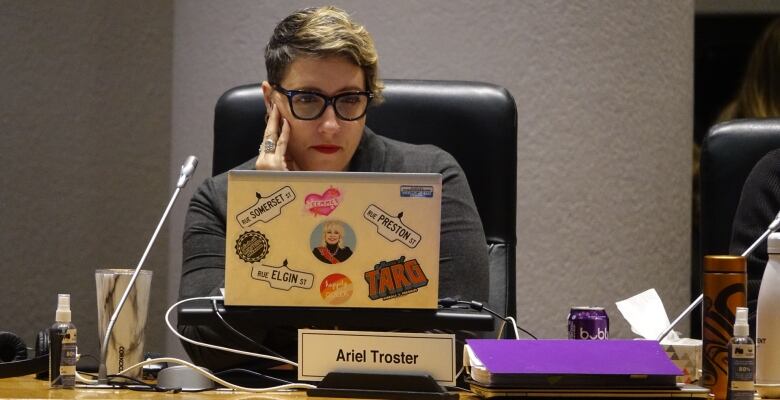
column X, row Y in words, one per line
column 416, row 191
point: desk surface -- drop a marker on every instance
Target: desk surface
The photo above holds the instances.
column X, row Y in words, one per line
column 27, row 387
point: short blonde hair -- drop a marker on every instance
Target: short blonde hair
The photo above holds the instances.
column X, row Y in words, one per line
column 322, row 32
column 336, row 226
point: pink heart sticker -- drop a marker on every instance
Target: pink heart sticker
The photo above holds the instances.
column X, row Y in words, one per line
column 323, row 204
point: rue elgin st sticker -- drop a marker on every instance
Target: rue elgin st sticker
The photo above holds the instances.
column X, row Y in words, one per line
column 253, row 246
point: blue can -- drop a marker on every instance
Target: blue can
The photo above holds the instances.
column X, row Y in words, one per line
column 588, row 323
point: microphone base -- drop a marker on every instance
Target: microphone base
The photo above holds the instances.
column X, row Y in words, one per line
column 102, row 373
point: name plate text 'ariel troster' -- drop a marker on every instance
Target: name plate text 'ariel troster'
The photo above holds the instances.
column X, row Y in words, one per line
column 324, row 351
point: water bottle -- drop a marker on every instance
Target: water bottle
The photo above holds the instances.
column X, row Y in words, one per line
column 724, row 285
column 767, row 320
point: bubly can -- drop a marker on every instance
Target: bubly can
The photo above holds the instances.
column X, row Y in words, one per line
column 589, row 323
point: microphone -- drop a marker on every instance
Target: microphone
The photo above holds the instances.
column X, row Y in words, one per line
column 187, row 169
column 772, row 227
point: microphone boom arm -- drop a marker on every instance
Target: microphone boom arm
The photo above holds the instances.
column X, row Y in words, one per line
column 772, row 227
column 186, row 172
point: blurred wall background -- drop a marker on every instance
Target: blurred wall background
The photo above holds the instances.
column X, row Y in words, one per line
column 103, row 100
column 85, row 147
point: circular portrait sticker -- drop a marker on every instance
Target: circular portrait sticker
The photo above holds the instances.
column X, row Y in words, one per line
column 336, row 289
column 332, row 242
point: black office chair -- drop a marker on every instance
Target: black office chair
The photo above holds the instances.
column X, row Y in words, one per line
column 455, row 116
column 728, row 154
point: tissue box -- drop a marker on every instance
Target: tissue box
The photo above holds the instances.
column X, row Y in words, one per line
column 685, row 354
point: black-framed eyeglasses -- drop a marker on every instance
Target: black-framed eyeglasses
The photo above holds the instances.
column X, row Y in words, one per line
column 308, row 106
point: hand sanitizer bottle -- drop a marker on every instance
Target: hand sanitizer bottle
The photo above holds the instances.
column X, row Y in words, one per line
column 62, row 352
column 767, row 320
column 741, row 359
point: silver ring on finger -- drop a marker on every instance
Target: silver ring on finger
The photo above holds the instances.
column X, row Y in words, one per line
column 269, row 146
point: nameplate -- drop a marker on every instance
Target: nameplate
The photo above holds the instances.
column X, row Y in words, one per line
column 324, row 351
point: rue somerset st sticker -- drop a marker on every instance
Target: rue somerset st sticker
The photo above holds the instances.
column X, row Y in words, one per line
column 266, row 208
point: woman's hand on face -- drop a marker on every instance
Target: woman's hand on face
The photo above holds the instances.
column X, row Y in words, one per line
column 273, row 148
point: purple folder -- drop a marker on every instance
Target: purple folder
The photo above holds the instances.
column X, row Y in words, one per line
column 574, row 363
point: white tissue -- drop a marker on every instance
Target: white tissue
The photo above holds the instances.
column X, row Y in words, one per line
column 647, row 315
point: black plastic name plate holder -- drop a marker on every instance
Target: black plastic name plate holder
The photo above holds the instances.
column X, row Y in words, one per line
column 380, row 386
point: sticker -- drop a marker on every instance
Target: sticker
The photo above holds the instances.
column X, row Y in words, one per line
column 323, row 204
column 332, row 241
column 391, row 228
column 336, row 289
column 416, row 191
column 266, row 208
column 394, row 278
column 282, row 278
column 252, row 246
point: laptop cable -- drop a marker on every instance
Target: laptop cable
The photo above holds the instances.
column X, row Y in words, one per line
column 238, row 333
column 448, row 302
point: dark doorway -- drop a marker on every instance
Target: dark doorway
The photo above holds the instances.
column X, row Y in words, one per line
column 722, row 46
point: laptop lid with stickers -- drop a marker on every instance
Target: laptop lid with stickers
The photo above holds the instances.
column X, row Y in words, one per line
column 332, row 239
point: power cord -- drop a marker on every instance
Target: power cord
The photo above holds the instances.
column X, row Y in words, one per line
column 85, row 379
column 144, row 386
column 197, row 369
column 89, row 356
column 212, row 346
column 252, row 373
column 448, row 302
column 218, row 379
column 238, row 333
column 202, row 371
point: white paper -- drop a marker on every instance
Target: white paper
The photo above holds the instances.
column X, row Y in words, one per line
column 646, row 314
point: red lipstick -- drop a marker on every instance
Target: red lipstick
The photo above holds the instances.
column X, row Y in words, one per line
column 326, row 148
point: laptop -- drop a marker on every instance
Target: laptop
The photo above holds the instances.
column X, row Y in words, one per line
column 332, row 239
column 573, row 369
